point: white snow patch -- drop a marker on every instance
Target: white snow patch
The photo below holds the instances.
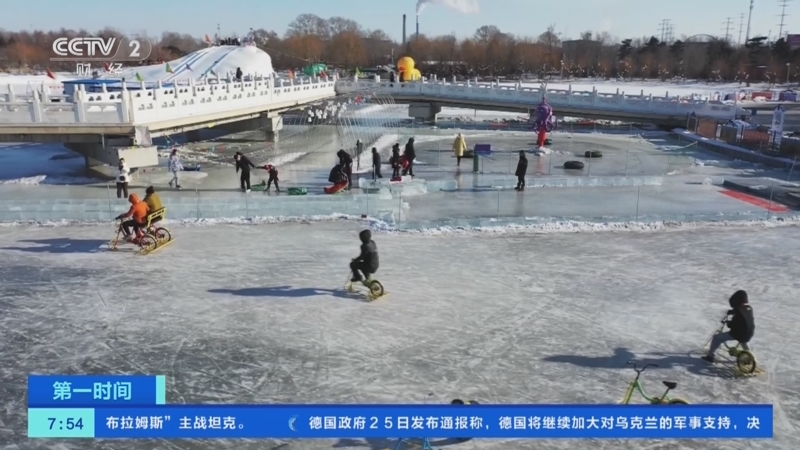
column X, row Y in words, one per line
column 45, row 179
column 597, row 227
column 286, row 158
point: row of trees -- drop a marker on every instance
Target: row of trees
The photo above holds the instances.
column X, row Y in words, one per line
column 488, row 53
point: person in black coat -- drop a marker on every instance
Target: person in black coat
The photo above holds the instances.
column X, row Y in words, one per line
column 522, row 168
column 337, row 175
column 395, row 161
column 742, row 325
column 367, row 261
column 376, row 164
column 239, row 74
column 243, row 165
column 346, row 161
column 410, row 155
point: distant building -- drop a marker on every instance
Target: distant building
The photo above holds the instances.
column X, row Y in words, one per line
column 581, row 51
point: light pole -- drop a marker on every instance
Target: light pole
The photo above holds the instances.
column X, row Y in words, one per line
column 788, row 72
column 562, row 69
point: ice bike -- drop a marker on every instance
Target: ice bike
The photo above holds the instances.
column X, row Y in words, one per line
column 151, row 238
column 745, row 359
column 636, row 386
column 374, row 287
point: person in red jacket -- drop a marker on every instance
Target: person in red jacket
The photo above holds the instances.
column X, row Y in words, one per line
column 136, row 215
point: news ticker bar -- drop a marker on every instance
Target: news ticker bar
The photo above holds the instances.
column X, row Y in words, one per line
column 404, row 421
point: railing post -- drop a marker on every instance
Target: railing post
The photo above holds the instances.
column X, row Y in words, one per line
column 12, row 98
column 80, row 106
column 124, row 108
column 45, row 94
column 36, row 108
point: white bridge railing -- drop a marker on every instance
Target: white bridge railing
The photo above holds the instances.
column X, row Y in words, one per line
column 524, row 97
column 139, row 104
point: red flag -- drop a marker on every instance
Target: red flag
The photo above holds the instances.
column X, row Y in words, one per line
column 50, row 74
column 208, row 40
column 106, row 68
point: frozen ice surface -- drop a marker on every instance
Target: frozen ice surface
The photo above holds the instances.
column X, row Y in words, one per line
column 256, row 314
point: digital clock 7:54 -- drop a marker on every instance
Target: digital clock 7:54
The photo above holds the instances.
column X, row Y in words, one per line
column 60, row 423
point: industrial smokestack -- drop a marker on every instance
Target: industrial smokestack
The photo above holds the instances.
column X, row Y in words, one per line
column 404, row 28
column 417, row 26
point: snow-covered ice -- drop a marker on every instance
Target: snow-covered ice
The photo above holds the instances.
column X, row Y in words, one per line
column 233, row 313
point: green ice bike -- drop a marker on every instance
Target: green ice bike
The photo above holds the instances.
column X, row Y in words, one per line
column 636, row 386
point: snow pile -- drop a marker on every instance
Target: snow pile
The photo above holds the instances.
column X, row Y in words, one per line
column 285, row 158
column 371, row 109
column 44, row 179
column 386, row 225
column 222, row 60
column 477, row 115
column 595, row 227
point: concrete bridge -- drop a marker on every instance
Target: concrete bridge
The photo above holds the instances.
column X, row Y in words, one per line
column 125, row 118
column 426, row 99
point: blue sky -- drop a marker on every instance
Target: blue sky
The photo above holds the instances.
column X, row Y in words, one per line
column 622, row 18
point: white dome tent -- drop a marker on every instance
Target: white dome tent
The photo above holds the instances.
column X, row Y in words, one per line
column 208, row 63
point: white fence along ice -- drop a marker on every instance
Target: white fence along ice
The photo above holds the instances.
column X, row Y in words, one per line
column 528, row 98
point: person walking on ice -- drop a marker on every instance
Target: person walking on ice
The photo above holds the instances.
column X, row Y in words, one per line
column 459, row 147
column 376, row 164
column 522, row 168
column 175, row 167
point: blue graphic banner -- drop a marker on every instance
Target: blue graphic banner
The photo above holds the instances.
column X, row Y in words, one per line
column 88, row 391
column 417, row 421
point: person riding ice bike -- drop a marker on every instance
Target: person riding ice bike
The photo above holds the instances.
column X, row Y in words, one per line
column 367, row 262
column 136, row 215
column 742, row 325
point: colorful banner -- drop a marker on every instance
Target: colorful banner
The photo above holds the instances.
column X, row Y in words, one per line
column 405, row 421
column 89, row 391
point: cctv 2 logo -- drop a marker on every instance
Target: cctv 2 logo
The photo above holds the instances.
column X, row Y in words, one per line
column 101, row 49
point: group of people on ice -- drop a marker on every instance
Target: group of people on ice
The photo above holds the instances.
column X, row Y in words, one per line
column 342, row 172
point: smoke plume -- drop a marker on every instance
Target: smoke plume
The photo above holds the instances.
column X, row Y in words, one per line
column 462, row 6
